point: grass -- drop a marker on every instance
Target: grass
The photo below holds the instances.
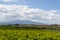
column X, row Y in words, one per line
column 29, row 34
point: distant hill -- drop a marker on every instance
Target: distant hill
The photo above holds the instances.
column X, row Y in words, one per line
column 20, row 22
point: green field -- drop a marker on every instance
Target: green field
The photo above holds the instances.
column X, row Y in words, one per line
column 12, row 33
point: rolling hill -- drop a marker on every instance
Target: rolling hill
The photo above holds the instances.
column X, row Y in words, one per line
column 20, row 22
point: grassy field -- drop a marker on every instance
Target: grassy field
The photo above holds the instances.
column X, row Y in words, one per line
column 16, row 33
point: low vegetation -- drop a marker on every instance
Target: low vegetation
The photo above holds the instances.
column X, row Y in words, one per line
column 29, row 32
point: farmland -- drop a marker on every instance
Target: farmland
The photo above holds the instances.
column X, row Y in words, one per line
column 27, row 33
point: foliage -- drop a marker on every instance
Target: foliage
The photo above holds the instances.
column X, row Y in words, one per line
column 28, row 34
column 11, row 32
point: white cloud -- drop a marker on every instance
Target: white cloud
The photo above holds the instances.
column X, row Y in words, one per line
column 9, row 0
column 22, row 12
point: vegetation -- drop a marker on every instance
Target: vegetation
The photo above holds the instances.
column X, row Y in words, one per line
column 29, row 32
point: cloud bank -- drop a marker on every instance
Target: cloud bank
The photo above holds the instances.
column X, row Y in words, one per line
column 23, row 12
column 9, row 0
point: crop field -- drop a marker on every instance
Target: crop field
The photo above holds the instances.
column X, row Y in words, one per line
column 28, row 34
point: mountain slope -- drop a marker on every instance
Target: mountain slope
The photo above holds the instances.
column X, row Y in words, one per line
column 21, row 22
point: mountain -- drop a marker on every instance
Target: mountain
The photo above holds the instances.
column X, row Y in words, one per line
column 20, row 22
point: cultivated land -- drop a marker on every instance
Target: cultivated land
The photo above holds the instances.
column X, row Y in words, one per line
column 29, row 32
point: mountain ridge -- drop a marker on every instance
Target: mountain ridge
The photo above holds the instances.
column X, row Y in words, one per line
column 20, row 22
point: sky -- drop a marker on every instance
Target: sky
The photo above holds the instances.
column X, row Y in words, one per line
column 41, row 11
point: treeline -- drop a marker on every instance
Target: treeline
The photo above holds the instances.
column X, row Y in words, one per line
column 30, row 26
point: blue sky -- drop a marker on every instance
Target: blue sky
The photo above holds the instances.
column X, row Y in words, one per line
column 44, row 11
column 43, row 4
